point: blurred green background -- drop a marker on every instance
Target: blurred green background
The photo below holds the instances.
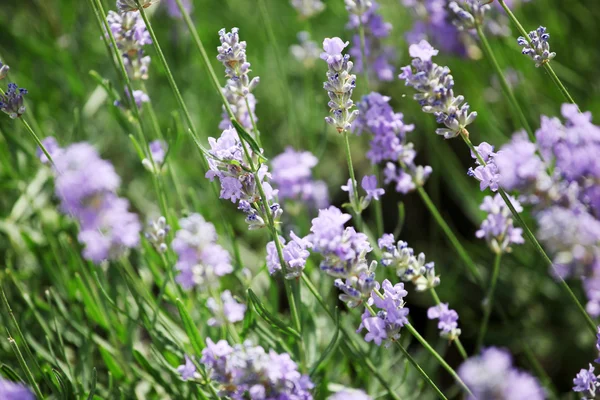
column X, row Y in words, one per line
column 52, row 45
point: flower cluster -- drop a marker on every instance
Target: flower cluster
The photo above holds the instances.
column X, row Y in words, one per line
column 157, row 233
column 492, row 375
column 158, row 151
column 390, row 317
column 434, row 85
column 469, row 14
column 587, row 382
column 389, row 143
column 238, row 183
column 11, row 101
column 294, row 253
column 486, row 171
column 369, row 185
column 237, row 90
column 377, row 56
column 200, row 260
column 131, row 36
column 447, row 320
column 344, row 251
column 409, row 268
column 307, row 51
column 340, row 84
column 14, row 391
column 498, row 228
column 292, row 176
column 86, row 186
column 226, row 310
column 308, row 8
column 558, row 176
column 537, row 47
column 247, row 371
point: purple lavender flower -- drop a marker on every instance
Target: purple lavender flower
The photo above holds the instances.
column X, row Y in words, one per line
column 249, row 370
column 292, row 176
column 498, row 227
column 11, row 101
column 586, row 383
column 173, row 9
column 349, row 394
column 3, row 70
column 158, row 150
column 14, row 391
column 468, row 14
column 295, row 254
column 157, row 233
column 492, row 375
column 487, row 172
column 340, row 84
column 448, row 320
column 369, row 185
column 434, row 85
column 308, row 8
column 518, row 164
column 378, row 57
column 226, row 310
column 131, row 36
column 538, row 46
column 409, row 268
column 188, row 370
column 86, row 186
column 232, row 53
column 200, row 260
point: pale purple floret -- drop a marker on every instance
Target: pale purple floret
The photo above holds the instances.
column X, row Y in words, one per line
column 200, row 260
column 292, row 176
column 350, row 394
column 378, row 56
column 294, row 252
column 187, row 370
column 14, row 391
column 586, row 383
column 498, row 228
column 369, row 185
column 131, row 35
column 86, row 186
column 332, row 50
column 227, row 310
column 447, row 320
column 158, row 150
column 247, row 370
column 492, row 375
column 486, row 173
column 173, row 9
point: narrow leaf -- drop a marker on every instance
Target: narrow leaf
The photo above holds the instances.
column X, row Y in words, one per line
column 246, row 137
column 190, row 328
column 331, row 347
column 270, row 318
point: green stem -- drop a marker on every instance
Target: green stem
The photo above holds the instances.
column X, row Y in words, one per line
column 547, row 66
column 436, row 355
column 489, row 300
column 348, row 335
column 506, row 89
column 463, row 254
column 378, row 208
column 24, row 366
column 355, row 200
column 37, row 141
column 456, row 341
column 532, row 238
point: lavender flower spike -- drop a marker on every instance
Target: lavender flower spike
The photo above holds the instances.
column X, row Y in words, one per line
column 586, row 383
column 498, row 228
column 188, row 370
column 538, row 46
column 157, row 234
column 11, row 102
column 448, row 320
column 434, row 85
column 340, row 84
column 131, row 35
column 469, row 14
column 14, row 391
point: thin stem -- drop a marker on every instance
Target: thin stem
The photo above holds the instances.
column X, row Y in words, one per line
column 355, row 200
column 436, row 355
column 349, row 337
column 506, row 89
column 489, row 300
column 546, row 65
column 37, row 141
column 24, row 366
column 378, row 209
column 456, row 341
column 532, row 238
column 464, row 255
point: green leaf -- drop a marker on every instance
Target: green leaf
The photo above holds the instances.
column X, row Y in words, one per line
column 246, row 137
column 93, row 385
column 190, row 328
column 10, row 373
column 270, row 318
column 331, row 347
column 112, row 365
column 248, row 323
column 138, row 148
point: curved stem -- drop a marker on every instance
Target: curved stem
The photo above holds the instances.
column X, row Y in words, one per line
column 532, row 238
column 37, row 141
column 547, row 66
column 489, row 300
